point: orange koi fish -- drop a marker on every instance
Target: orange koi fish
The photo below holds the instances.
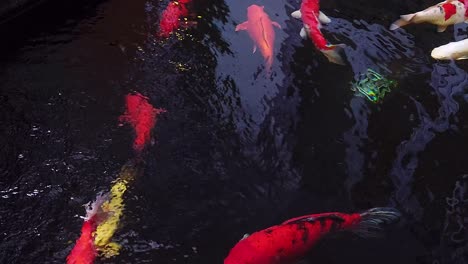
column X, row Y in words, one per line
column 443, row 14
column 142, row 116
column 312, row 19
column 170, row 18
column 290, row 241
column 260, row 29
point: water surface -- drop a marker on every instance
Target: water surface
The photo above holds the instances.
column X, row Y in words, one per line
column 237, row 151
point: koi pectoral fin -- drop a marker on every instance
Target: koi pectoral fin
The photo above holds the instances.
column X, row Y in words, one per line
column 276, row 24
column 242, row 26
column 323, row 18
column 303, row 33
column 441, row 29
column 296, row 14
column 254, row 49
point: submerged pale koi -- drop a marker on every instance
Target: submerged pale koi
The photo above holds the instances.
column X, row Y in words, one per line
column 260, row 29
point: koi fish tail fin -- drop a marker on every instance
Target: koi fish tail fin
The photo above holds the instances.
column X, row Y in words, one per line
column 333, row 53
column 373, row 221
column 268, row 65
column 403, row 21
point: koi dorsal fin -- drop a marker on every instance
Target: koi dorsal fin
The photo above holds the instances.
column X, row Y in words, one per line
column 314, row 218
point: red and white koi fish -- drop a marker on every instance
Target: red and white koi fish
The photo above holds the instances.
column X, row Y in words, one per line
column 312, row 19
column 142, row 116
column 452, row 51
column 171, row 17
column 260, row 29
column 443, row 14
column 84, row 251
column 290, row 241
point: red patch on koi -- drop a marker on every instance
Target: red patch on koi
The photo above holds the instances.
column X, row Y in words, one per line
column 142, row 116
column 170, row 18
column 310, row 12
column 449, row 9
column 84, row 251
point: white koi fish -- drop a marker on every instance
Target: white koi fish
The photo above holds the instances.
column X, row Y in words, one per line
column 452, row 51
column 443, row 14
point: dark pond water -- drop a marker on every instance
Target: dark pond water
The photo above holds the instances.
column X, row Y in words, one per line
column 236, row 152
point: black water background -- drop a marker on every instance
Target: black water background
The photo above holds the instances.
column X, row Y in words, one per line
column 236, row 152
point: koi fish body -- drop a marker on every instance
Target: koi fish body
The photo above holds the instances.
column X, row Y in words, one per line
column 142, row 116
column 84, row 251
column 451, row 51
column 312, row 19
column 260, row 29
column 443, row 14
column 290, row 241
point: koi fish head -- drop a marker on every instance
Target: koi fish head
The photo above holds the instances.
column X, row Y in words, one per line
column 453, row 50
column 242, row 253
column 94, row 210
column 442, row 53
column 254, row 11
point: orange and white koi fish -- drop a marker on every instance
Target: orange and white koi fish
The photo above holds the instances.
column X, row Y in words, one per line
column 290, row 241
column 312, row 19
column 443, row 14
column 452, row 51
column 84, row 251
column 260, row 29
column 142, row 116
